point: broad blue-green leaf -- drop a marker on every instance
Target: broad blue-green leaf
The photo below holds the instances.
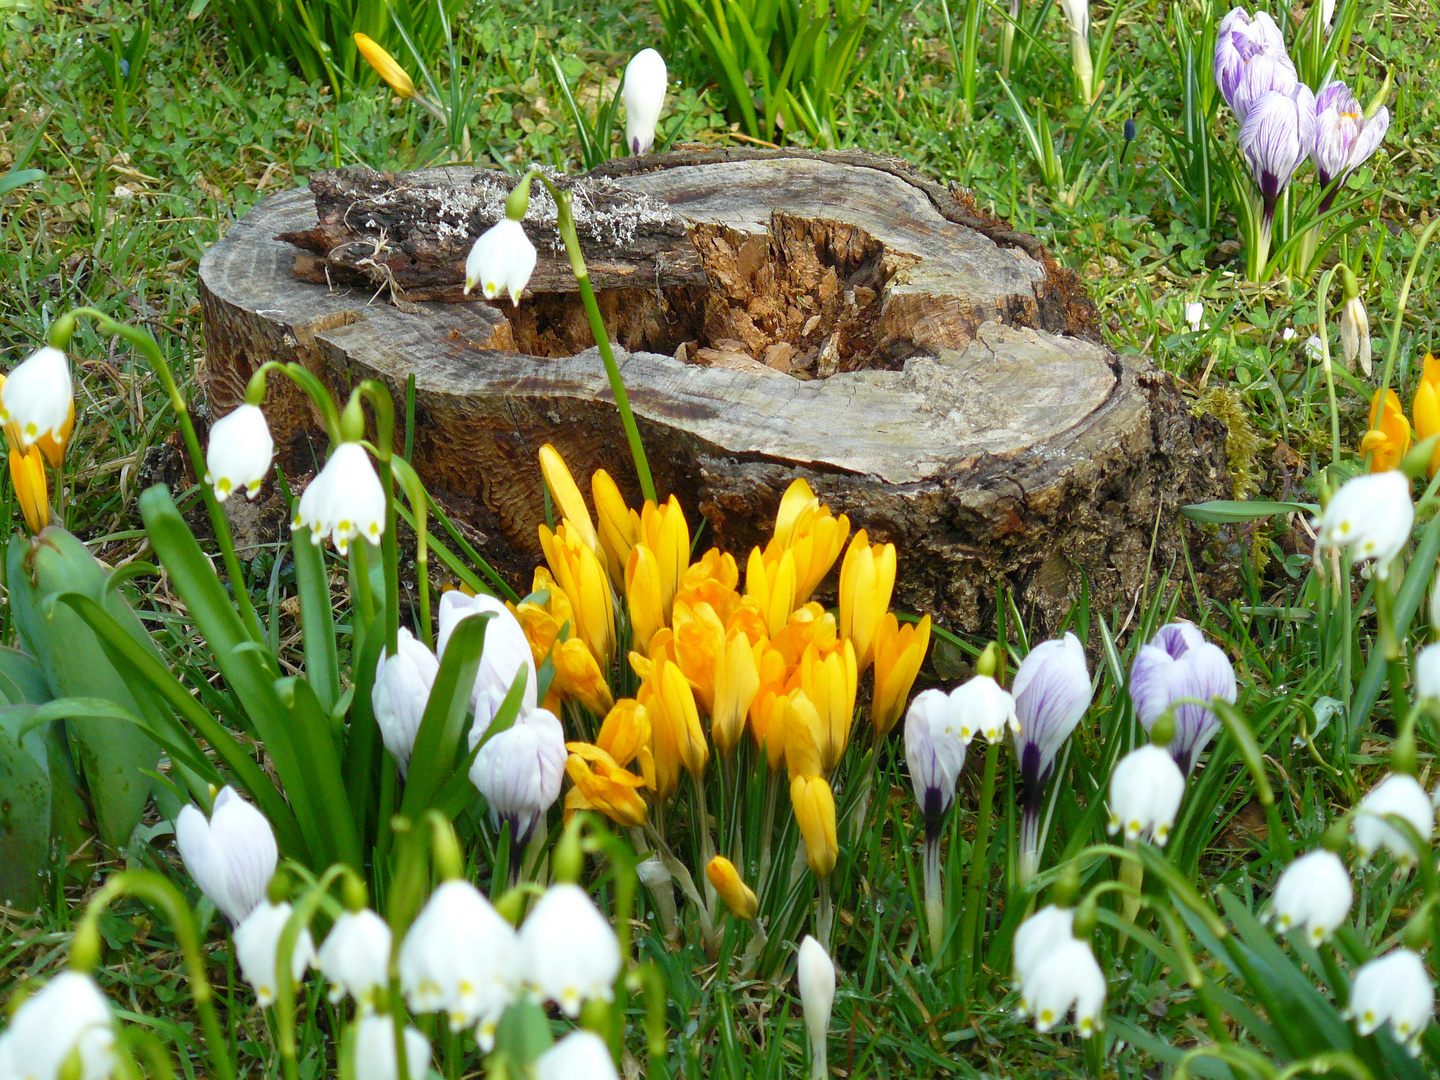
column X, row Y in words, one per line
column 1227, row 511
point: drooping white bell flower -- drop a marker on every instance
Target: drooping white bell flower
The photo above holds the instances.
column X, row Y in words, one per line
column 239, row 452
column 257, row 940
column 401, row 692
column 1145, row 792
column 37, row 396
column 1178, row 664
column 355, row 958
column 581, row 1055
column 460, row 957
column 815, row 973
column 568, row 950
column 1427, row 670
column 644, row 97
column 375, row 1057
column 500, row 261
column 1313, row 894
column 519, row 773
column 1066, row 978
column 1355, row 335
column 345, row 500
column 1371, row 516
column 934, row 753
column 1394, row 989
column 67, row 1015
column 231, row 856
column 505, row 652
column 1038, row 936
column 981, row 707
column 1401, row 795
column 1195, row 315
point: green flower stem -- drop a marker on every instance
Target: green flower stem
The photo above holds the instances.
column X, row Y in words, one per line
column 979, row 852
column 380, row 400
column 1320, row 296
column 934, row 882
column 1401, row 301
column 285, row 1007
column 150, row 887
column 60, row 333
column 565, row 224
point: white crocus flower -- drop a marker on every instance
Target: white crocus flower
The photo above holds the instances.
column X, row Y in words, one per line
column 933, row 752
column 1195, row 315
column 231, row 856
column 501, row 261
column 375, row 1057
column 1066, row 978
column 1394, row 989
column 519, row 773
column 1037, row 937
column 1145, row 791
column 1371, row 516
column 239, row 452
column 644, row 97
column 355, row 958
column 1314, row 894
column 581, row 1055
column 345, row 500
column 1427, row 670
column 815, row 972
column 401, row 692
column 459, row 957
column 1401, row 795
column 981, row 707
column 505, row 652
column 1314, row 348
column 568, row 950
column 1355, row 335
column 68, row 1015
column 37, row 396
column 257, row 940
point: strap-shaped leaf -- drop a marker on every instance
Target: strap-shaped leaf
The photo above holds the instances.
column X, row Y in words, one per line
column 317, row 619
column 362, row 738
column 315, row 741
column 458, row 790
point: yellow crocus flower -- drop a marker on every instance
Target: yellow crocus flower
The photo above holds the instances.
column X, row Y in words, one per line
column 899, row 652
column 738, row 897
column 768, row 706
column 578, row 571
column 27, row 474
column 737, row 678
column 814, row 805
column 829, row 680
column 1425, row 409
column 1389, row 436
column 644, row 596
column 816, row 540
column 805, row 736
column 565, row 494
column 619, row 525
column 602, row 784
column 665, row 532
column 867, row 580
column 772, row 587
column 625, row 734
column 676, row 739
column 810, row 625
column 578, row 677
column 712, row 581
column 542, row 622
column 798, row 499
column 699, row 641
column 385, row 66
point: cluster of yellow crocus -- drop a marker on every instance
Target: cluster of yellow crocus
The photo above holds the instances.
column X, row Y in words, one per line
column 27, row 467
column 712, row 660
column 1388, row 438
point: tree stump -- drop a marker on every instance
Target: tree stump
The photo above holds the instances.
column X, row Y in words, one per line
column 933, row 373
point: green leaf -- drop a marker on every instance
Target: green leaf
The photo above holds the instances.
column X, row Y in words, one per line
column 1227, row 511
column 25, row 810
column 317, row 619
column 310, row 723
column 443, row 725
column 12, row 179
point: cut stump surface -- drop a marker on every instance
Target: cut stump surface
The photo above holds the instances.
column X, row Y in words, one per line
column 837, row 317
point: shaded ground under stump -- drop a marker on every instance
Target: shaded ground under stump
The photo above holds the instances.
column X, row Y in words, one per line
column 932, row 372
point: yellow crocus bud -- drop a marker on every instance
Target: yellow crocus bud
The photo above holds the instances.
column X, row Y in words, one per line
column 738, row 896
column 712, row 581
column 385, row 66
column 805, row 736
column 578, row 677
column 1425, row 410
column 767, row 708
column 677, row 707
column 830, row 682
column 798, row 498
column 625, row 736
column 665, row 532
column 1389, row 436
column 814, row 805
column 737, row 678
column 899, row 652
column 810, row 625
column 27, row 474
column 772, row 587
column 601, row 784
column 542, row 621
column 578, row 571
column 817, row 542
column 643, row 595
column 566, row 495
column 619, row 526
column 867, row 580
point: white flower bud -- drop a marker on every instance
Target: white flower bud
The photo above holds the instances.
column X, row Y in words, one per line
column 644, row 97
column 1145, row 791
column 375, row 1057
column 569, row 951
column 232, row 856
column 1427, row 670
column 1355, row 334
column 238, row 455
column 933, row 752
column 1314, row 894
column 68, row 1015
column 815, row 972
column 519, row 773
column 345, row 500
column 355, row 958
column 980, row 707
column 500, row 261
column 1394, row 989
column 1195, row 315
column 401, row 692
column 506, row 651
column 257, row 941
column 37, row 396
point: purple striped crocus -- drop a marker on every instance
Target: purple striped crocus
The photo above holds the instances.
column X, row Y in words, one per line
column 1178, row 664
column 1344, row 136
column 1052, row 691
column 1277, row 137
column 1251, row 61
